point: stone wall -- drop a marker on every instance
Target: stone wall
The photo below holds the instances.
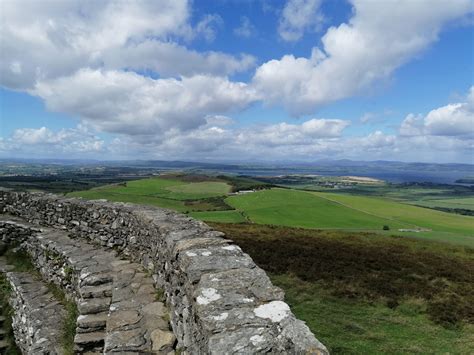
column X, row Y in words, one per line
column 221, row 301
column 36, row 316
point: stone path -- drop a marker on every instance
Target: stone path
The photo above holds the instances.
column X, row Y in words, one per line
column 117, row 302
column 37, row 313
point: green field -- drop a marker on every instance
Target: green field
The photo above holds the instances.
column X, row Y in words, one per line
column 443, row 226
column 294, row 208
column 167, row 193
column 302, row 209
column 231, row 216
column 465, row 203
column 209, row 201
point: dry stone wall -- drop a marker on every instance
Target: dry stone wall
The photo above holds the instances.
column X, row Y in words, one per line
column 37, row 313
column 220, row 301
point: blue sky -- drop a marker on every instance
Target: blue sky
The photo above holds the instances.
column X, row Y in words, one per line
column 238, row 80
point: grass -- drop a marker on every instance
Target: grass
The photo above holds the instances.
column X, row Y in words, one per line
column 366, row 293
column 200, row 189
column 466, row 203
column 231, row 216
column 206, row 200
column 358, row 327
column 161, row 192
column 450, row 225
column 294, row 208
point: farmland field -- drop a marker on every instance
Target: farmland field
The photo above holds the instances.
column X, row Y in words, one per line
column 231, row 216
column 167, row 193
column 209, row 201
column 301, row 209
column 436, row 221
column 465, row 203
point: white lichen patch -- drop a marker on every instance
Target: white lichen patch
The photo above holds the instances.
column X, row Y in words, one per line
column 231, row 247
column 207, row 296
column 206, row 253
column 190, row 253
column 256, row 339
column 247, row 300
column 275, row 311
column 221, row 317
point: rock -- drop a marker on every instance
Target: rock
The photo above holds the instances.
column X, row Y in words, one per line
column 89, row 340
column 94, row 305
column 121, row 319
column 162, row 340
column 125, row 340
column 97, row 320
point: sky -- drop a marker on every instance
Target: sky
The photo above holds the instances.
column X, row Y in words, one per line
column 238, row 80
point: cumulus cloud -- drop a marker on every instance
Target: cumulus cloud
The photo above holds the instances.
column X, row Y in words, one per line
column 46, row 142
column 172, row 59
column 128, row 103
column 380, row 37
column 56, row 38
column 299, row 16
column 455, row 119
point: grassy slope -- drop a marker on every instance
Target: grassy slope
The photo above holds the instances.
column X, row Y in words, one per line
column 167, row 193
column 466, row 203
column 362, row 293
column 231, row 216
column 301, row 209
column 425, row 218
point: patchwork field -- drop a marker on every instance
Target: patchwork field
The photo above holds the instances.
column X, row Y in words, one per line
column 167, row 193
column 210, row 201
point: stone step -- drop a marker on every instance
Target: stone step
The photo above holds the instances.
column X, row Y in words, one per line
column 3, row 344
column 93, row 341
column 2, row 320
column 3, row 333
column 116, row 298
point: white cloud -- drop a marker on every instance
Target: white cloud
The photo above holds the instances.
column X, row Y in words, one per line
column 46, row 142
column 246, row 29
column 299, row 16
column 455, row 119
column 284, row 134
column 172, row 59
column 207, row 27
column 56, row 38
column 128, row 103
column 380, row 37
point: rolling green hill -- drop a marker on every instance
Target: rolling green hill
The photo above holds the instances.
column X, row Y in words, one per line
column 167, row 193
column 337, row 211
column 291, row 208
column 302, row 209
